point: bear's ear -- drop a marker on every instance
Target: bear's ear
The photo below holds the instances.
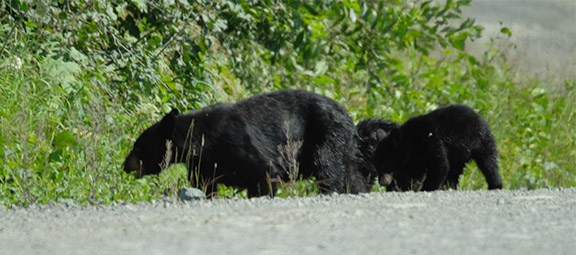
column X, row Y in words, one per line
column 174, row 112
column 168, row 123
column 395, row 136
column 380, row 134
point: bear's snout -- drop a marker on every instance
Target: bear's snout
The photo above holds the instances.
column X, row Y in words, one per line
column 133, row 163
column 386, row 180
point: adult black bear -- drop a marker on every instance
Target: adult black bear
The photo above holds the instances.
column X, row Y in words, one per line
column 370, row 133
column 430, row 151
column 241, row 144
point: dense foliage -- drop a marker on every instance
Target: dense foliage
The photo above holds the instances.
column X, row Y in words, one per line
column 79, row 80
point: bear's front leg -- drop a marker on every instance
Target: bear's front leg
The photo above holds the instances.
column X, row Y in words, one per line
column 437, row 172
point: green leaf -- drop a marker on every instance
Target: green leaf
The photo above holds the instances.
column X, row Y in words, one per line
column 110, row 12
column 22, row 5
column 323, row 80
column 352, row 15
column 538, row 92
column 506, row 31
column 321, row 67
column 141, row 5
column 78, row 56
column 56, row 156
column 63, row 15
column 62, row 73
column 64, row 138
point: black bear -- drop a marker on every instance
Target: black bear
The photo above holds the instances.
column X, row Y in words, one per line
column 429, row 152
column 370, row 133
column 243, row 144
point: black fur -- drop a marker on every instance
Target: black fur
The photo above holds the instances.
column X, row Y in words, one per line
column 370, row 133
column 238, row 144
column 429, row 152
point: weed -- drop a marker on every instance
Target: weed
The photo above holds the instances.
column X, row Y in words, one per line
column 288, row 156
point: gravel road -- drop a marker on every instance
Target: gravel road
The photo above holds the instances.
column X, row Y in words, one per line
column 446, row 222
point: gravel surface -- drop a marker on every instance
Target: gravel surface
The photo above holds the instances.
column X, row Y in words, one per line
column 446, row 222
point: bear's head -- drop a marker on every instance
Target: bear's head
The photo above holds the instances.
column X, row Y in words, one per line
column 150, row 151
column 386, row 158
column 401, row 157
column 371, row 132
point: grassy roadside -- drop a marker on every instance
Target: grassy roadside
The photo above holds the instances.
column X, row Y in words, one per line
column 55, row 148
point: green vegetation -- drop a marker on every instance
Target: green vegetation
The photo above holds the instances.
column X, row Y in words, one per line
column 80, row 80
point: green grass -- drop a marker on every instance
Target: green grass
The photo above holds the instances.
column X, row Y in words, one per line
column 71, row 108
column 60, row 142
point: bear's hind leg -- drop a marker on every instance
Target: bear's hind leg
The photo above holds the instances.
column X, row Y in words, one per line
column 486, row 158
column 488, row 164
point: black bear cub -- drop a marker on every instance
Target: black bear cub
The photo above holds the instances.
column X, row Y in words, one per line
column 244, row 144
column 370, row 133
column 429, row 152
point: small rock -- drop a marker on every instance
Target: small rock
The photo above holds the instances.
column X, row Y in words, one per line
column 129, row 207
column 169, row 200
column 51, row 204
column 187, row 194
